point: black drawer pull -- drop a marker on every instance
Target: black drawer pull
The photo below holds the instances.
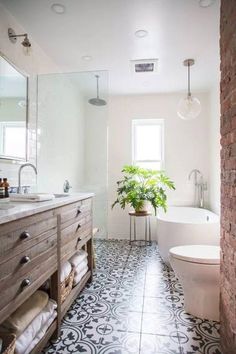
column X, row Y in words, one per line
column 78, row 211
column 25, row 283
column 25, row 260
column 78, row 227
column 24, row 235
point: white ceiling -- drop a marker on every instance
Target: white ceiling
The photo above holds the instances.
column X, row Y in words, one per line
column 104, row 29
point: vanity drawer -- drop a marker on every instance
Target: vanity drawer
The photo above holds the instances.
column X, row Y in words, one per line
column 18, row 236
column 17, row 291
column 73, row 240
column 75, row 212
column 76, row 230
column 27, row 260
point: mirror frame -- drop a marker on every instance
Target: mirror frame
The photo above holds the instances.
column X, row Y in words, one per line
column 26, row 158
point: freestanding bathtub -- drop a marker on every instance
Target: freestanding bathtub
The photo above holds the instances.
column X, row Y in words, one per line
column 186, row 226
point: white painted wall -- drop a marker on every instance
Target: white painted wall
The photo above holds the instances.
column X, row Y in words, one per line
column 186, row 147
column 37, row 62
column 214, row 149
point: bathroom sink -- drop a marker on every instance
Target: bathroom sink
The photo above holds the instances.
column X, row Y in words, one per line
column 6, row 206
column 61, row 195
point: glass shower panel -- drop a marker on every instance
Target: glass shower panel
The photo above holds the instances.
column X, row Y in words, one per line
column 72, row 137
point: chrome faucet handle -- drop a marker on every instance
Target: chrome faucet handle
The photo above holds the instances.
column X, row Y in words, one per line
column 66, row 186
column 25, row 189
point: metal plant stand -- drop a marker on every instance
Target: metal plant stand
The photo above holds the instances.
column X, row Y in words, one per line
column 147, row 234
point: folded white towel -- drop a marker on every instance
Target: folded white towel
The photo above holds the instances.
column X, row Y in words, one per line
column 31, row 197
column 25, row 340
column 39, row 335
column 65, row 270
column 80, row 275
column 81, row 266
column 78, row 257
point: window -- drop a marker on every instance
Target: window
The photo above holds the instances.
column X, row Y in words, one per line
column 13, row 139
column 148, row 143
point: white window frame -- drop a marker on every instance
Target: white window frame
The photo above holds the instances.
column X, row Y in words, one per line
column 140, row 122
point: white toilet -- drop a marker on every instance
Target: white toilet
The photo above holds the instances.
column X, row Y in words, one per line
column 198, row 269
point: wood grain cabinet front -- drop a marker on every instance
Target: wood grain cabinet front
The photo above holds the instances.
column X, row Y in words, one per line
column 72, row 236
column 20, row 287
column 27, row 260
column 28, row 257
column 33, row 249
column 74, row 212
column 17, row 236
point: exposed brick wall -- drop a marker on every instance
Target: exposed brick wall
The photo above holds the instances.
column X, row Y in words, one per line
column 228, row 175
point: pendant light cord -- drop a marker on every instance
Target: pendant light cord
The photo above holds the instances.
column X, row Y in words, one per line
column 97, row 86
column 189, row 93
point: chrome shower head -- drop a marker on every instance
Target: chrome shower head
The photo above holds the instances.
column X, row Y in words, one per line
column 26, row 43
column 97, row 101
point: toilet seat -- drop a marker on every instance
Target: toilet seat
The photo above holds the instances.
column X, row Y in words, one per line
column 202, row 254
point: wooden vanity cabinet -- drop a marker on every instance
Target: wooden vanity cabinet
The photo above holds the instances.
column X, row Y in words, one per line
column 28, row 257
column 76, row 227
column 33, row 249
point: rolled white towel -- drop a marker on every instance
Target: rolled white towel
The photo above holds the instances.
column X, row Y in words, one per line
column 80, row 275
column 65, row 270
column 78, row 257
column 81, row 266
column 25, row 339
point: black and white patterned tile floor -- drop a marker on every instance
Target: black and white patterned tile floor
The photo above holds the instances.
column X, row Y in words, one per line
column 133, row 306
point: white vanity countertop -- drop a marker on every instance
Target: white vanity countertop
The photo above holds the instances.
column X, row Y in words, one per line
column 22, row 209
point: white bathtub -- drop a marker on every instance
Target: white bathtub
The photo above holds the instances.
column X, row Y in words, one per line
column 186, row 226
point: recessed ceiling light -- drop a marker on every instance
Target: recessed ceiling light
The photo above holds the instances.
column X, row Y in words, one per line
column 206, row 3
column 58, row 9
column 86, row 57
column 141, row 33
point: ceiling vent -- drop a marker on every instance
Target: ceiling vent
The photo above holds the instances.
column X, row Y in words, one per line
column 144, row 66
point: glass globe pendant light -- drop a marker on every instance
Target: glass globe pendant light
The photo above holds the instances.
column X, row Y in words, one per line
column 189, row 107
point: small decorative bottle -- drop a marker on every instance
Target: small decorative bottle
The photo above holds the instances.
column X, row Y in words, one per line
column 2, row 189
column 6, row 187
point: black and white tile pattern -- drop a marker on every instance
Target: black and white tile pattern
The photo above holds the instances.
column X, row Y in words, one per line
column 134, row 305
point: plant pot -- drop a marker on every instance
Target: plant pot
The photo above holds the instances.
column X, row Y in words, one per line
column 144, row 209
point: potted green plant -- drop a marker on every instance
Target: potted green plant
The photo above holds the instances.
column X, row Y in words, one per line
column 140, row 186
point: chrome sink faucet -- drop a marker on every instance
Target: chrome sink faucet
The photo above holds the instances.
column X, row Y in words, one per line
column 66, row 186
column 19, row 189
column 200, row 187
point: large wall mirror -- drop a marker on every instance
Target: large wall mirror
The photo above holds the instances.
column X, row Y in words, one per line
column 13, row 112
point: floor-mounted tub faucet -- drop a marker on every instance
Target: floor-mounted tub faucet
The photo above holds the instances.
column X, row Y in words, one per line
column 200, row 187
column 19, row 189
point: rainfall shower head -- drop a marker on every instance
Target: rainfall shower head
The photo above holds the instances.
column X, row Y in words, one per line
column 97, row 101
